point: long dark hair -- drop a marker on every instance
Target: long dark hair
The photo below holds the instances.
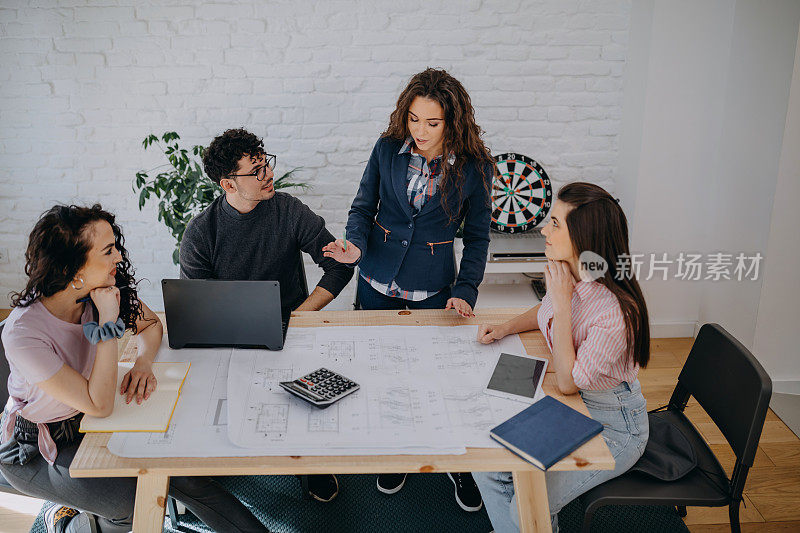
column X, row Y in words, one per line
column 57, row 249
column 597, row 224
column 462, row 135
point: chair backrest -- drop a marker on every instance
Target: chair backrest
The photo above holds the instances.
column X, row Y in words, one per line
column 5, row 370
column 731, row 386
column 302, row 276
column 356, row 301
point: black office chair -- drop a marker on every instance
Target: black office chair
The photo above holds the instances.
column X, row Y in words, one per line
column 303, row 281
column 356, row 301
column 5, row 370
column 734, row 389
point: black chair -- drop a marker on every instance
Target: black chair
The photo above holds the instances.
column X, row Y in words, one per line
column 734, row 389
column 303, row 281
column 5, row 370
column 356, row 301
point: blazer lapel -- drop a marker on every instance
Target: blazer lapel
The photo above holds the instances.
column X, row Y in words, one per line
column 398, row 177
column 431, row 203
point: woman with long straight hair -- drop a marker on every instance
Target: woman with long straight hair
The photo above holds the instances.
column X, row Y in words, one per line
column 428, row 173
column 61, row 344
column 595, row 323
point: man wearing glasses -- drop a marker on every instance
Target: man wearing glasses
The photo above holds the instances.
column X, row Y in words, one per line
column 253, row 232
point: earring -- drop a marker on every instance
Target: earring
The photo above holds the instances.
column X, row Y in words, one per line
column 73, row 284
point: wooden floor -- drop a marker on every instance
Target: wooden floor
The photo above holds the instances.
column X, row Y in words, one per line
column 772, row 494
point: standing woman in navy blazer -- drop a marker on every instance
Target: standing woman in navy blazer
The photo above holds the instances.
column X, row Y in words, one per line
column 428, row 173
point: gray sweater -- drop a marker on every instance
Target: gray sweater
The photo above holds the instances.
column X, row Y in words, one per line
column 264, row 244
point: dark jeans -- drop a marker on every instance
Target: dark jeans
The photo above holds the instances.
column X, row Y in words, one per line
column 111, row 499
column 372, row 300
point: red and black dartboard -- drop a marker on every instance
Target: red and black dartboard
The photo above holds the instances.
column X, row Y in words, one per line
column 521, row 194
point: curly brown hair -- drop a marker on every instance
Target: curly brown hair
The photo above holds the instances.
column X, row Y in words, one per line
column 223, row 154
column 57, row 249
column 462, row 135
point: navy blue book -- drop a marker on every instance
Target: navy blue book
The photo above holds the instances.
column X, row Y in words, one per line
column 546, row 432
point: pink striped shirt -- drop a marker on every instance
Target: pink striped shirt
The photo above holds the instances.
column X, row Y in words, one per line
column 598, row 333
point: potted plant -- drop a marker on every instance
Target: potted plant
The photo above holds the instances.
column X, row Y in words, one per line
column 183, row 189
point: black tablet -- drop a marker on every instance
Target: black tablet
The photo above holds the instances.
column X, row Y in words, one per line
column 518, row 378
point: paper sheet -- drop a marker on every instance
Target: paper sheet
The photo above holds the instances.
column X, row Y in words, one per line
column 420, row 386
column 199, row 423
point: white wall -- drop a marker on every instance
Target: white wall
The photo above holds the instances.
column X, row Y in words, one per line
column 702, row 129
column 746, row 162
column 776, row 334
column 83, row 82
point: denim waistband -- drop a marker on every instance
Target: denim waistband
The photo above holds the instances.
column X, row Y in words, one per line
column 622, row 390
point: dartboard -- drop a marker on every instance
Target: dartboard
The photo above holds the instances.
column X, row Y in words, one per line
column 521, row 194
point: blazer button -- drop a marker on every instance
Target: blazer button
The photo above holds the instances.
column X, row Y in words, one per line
column 404, row 243
column 410, row 225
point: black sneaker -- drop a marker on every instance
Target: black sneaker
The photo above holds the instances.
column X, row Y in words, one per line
column 391, row 483
column 321, row 487
column 468, row 497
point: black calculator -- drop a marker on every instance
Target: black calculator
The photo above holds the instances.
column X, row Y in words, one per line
column 321, row 388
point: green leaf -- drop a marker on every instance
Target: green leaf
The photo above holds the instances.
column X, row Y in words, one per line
column 284, row 182
column 176, row 255
column 150, row 139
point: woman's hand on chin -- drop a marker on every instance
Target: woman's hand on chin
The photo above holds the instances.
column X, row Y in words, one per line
column 106, row 299
column 560, row 285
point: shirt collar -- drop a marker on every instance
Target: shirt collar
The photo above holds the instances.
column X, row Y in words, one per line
column 406, row 148
column 406, row 145
column 584, row 288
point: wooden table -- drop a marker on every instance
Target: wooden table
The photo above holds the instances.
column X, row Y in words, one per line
column 94, row 460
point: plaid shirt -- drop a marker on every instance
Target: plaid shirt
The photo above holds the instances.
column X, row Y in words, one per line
column 423, row 182
column 423, row 179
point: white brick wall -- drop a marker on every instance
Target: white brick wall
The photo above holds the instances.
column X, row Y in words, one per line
column 82, row 82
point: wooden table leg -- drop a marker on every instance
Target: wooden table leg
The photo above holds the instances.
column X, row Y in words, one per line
column 532, row 504
column 151, row 500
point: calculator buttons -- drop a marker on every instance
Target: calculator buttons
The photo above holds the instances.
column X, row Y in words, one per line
column 321, row 388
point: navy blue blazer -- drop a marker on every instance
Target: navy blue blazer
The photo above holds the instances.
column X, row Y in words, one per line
column 417, row 251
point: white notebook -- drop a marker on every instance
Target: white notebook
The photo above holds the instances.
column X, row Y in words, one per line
column 152, row 414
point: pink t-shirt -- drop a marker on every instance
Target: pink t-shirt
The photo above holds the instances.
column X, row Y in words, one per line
column 37, row 345
column 599, row 336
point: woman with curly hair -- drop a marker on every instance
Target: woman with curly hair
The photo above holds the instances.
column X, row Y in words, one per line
column 61, row 344
column 428, row 173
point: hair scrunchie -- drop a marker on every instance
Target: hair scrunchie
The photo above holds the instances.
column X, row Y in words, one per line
column 110, row 330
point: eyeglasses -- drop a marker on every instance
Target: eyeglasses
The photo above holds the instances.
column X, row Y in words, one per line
column 260, row 172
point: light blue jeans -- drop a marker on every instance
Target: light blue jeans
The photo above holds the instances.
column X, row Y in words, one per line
column 623, row 413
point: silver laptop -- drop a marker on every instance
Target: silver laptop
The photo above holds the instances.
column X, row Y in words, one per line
column 209, row 313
